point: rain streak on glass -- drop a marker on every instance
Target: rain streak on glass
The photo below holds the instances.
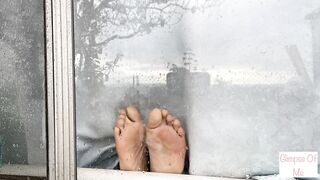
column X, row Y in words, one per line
column 22, row 93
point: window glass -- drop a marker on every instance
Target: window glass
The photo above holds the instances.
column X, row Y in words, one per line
column 241, row 76
column 22, row 93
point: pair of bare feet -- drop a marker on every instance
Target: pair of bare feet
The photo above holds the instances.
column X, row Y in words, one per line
column 163, row 138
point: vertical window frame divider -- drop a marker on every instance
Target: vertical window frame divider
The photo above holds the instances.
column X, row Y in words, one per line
column 60, row 90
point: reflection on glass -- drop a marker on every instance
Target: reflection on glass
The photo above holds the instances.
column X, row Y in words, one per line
column 241, row 76
column 22, row 102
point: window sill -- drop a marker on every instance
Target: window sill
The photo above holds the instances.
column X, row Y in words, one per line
column 103, row 174
column 99, row 174
column 23, row 170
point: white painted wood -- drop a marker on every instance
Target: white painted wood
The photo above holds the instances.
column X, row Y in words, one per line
column 61, row 118
column 50, row 91
column 23, row 170
column 103, row 174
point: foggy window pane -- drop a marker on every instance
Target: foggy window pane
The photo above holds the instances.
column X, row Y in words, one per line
column 22, row 98
column 243, row 78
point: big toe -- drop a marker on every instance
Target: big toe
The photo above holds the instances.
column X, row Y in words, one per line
column 133, row 114
column 155, row 118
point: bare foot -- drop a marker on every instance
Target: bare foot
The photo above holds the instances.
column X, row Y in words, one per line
column 166, row 142
column 130, row 140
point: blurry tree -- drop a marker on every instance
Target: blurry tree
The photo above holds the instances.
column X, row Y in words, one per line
column 98, row 22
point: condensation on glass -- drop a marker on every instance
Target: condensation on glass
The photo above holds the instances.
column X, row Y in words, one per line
column 243, row 76
column 22, row 93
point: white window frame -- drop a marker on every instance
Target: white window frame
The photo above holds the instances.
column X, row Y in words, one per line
column 60, row 90
column 60, row 105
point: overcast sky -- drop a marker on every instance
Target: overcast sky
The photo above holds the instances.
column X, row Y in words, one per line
column 241, row 41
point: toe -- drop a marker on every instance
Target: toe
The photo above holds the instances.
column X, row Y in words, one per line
column 155, row 118
column 176, row 124
column 164, row 113
column 120, row 123
column 122, row 112
column 133, row 114
column 117, row 132
column 181, row 132
column 122, row 116
column 170, row 119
